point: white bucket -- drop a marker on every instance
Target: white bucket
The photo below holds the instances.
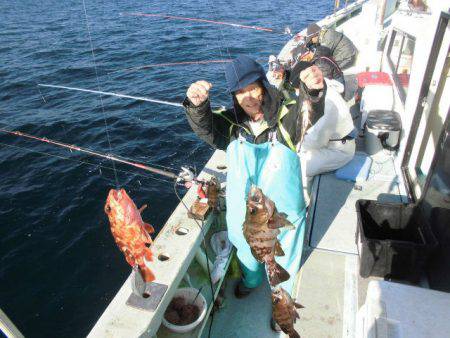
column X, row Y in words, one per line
column 188, row 294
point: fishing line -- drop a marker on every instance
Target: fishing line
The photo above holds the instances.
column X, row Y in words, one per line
column 236, row 25
column 98, row 87
column 84, row 162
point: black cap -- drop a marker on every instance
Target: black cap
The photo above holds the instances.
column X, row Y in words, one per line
column 313, row 29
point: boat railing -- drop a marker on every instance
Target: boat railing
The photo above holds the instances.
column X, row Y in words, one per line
column 179, row 257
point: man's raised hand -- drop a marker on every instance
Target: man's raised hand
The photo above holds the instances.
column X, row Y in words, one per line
column 198, row 92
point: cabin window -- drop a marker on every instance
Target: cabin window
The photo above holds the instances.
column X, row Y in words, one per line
column 400, row 56
column 431, row 111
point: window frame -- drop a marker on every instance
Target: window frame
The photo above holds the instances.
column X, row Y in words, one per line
column 394, row 67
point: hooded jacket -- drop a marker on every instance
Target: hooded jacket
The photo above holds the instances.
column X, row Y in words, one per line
column 322, row 58
column 220, row 128
column 343, row 50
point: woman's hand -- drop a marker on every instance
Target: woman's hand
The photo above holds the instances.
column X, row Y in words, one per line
column 312, row 77
column 198, row 92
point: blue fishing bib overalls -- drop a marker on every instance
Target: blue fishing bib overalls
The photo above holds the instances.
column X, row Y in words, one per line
column 275, row 169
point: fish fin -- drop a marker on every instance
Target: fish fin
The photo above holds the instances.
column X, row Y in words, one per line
column 298, row 305
column 277, row 274
column 149, row 228
column 278, row 249
column 148, row 255
column 279, row 220
column 141, row 209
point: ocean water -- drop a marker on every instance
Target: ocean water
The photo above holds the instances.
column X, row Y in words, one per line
column 59, row 264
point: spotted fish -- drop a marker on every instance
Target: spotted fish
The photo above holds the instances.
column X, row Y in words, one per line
column 261, row 228
column 284, row 311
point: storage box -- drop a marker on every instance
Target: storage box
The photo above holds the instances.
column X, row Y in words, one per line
column 393, row 239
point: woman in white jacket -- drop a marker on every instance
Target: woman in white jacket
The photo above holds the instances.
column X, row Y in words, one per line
column 329, row 144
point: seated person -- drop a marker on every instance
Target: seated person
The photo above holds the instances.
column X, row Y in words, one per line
column 322, row 58
column 342, row 49
column 330, row 143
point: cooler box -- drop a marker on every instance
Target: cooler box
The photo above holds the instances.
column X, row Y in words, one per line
column 373, row 78
column 375, row 93
column 394, row 241
column 382, row 131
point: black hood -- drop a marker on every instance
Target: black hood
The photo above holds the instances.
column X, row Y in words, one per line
column 243, row 71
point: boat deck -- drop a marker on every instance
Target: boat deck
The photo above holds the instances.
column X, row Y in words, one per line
column 328, row 282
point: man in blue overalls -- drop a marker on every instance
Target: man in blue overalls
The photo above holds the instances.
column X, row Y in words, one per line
column 259, row 133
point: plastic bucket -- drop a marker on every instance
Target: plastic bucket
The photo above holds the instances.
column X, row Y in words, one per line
column 189, row 295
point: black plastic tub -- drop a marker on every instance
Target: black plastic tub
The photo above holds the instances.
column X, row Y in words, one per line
column 393, row 239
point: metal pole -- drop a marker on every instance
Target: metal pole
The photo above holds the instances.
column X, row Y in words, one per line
column 8, row 328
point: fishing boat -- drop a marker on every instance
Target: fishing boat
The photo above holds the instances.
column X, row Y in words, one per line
column 403, row 67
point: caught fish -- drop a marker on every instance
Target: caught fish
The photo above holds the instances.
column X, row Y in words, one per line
column 284, row 311
column 131, row 234
column 307, row 113
column 212, row 192
column 261, row 228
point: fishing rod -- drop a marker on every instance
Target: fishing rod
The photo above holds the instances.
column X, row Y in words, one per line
column 236, row 25
column 139, row 98
column 169, row 64
column 93, row 153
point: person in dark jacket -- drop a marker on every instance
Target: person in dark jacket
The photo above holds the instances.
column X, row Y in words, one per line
column 259, row 133
column 341, row 47
column 256, row 103
column 322, row 58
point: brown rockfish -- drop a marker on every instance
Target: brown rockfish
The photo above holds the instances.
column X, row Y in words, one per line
column 284, row 311
column 261, row 228
column 212, row 192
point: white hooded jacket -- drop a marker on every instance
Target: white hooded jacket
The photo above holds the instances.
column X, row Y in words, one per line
column 335, row 124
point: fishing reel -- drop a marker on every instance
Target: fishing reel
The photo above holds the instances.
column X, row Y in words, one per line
column 186, row 175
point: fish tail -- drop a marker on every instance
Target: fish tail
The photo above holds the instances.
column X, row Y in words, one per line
column 293, row 334
column 277, row 274
column 147, row 274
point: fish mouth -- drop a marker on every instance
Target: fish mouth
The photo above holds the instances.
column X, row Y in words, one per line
column 116, row 195
column 255, row 194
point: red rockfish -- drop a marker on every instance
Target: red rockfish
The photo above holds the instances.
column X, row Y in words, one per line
column 131, row 234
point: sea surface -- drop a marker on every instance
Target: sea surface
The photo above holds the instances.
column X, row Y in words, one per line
column 59, row 264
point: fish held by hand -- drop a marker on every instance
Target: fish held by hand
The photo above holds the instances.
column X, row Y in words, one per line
column 130, row 233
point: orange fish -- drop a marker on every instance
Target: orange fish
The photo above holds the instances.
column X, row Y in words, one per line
column 131, row 234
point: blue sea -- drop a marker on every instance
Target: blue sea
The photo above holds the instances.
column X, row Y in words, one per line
column 60, row 267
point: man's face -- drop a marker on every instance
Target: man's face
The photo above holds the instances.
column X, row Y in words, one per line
column 315, row 39
column 250, row 99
